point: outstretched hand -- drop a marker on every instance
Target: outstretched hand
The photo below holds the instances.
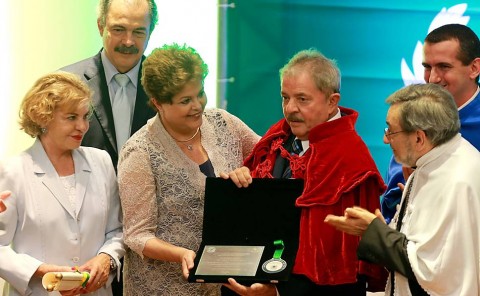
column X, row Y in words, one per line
column 355, row 220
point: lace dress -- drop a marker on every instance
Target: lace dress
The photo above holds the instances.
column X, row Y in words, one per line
column 162, row 194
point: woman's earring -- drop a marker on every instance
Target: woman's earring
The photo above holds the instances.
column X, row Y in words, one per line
column 44, row 130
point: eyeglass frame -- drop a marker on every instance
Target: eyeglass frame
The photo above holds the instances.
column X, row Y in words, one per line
column 388, row 133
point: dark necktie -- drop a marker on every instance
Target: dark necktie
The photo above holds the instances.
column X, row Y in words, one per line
column 403, row 209
column 401, row 214
column 296, row 149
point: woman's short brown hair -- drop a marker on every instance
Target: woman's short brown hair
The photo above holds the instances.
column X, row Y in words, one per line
column 167, row 70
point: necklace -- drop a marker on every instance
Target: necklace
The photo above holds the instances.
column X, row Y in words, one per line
column 189, row 146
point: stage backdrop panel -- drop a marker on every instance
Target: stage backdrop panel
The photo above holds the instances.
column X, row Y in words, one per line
column 370, row 40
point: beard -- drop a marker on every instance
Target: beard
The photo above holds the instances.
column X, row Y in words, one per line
column 409, row 158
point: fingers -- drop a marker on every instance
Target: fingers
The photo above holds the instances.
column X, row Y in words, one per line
column 401, row 186
column 241, row 177
column 358, row 213
column 188, row 262
column 233, row 283
column 224, row 175
column 334, row 220
column 355, row 212
column 354, row 222
column 185, row 271
column 256, row 289
column 339, row 222
column 96, row 282
column 99, row 269
column 379, row 215
column 263, row 289
column 72, row 292
column 236, row 287
column 186, row 266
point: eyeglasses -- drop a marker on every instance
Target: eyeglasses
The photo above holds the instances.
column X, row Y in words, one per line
column 388, row 133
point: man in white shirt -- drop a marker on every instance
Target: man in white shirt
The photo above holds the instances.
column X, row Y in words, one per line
column 432, row 245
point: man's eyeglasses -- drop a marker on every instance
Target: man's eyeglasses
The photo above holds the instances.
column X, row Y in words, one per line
column 388, row 133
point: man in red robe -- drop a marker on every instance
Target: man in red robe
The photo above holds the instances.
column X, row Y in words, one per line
column 317, row 142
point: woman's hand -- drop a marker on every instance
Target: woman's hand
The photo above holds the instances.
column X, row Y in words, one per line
column 241, row 176
column 44, row 268
column 187, row 262
column 99, row 269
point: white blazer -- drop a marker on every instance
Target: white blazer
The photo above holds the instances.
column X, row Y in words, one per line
column 40, row 226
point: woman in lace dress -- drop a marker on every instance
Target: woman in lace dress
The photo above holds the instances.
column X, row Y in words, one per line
column 162, row 171
column 64, row 209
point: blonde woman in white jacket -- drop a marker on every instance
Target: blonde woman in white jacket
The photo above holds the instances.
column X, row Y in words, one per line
column 64, row 209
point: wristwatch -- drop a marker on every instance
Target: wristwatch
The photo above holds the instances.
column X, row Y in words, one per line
column 113, row 264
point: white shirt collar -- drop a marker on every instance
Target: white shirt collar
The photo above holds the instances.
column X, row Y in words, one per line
column 306, row 143
column 471, row 99
column 336, row 116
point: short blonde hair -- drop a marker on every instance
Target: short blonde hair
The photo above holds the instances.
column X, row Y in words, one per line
column 51, row 91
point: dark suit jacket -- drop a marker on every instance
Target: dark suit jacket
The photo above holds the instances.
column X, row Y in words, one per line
column 382, row 245
column 102, row 129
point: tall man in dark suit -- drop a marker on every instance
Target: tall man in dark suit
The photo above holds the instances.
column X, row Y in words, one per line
column 125, row 27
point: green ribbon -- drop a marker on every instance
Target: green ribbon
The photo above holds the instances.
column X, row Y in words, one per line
column 86, row 277
column 279, row 247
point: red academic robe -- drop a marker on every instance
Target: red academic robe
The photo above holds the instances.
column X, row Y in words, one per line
column 339, row 172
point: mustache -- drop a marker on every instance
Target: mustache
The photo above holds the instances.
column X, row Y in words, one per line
column 293, row 118
column 124, row 49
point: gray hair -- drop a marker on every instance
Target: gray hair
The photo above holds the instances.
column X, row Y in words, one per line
column 427, row 107
column 324, row 71
column 104, row 5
